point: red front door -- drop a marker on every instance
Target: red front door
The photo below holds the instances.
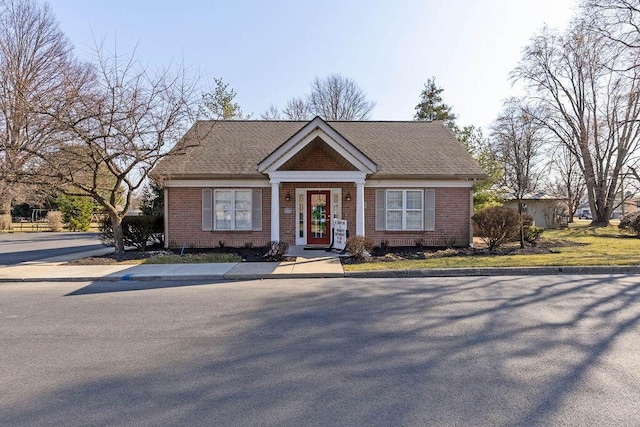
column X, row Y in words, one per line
column 318, row 217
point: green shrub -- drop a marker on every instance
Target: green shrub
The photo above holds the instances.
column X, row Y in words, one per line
column 76, row 211
column 496, row 225
column 532, row 234
column 359, row 247
column 630, row 223
column 138, row 231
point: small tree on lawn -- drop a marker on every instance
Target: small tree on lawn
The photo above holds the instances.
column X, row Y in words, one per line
column 121, row 124
column 76, row 211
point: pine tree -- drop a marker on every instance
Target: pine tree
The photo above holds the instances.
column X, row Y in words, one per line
column 432, row 107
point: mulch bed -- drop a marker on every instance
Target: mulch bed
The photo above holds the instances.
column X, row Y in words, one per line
column 542, row 246
column 247, row 254
column 403, row 253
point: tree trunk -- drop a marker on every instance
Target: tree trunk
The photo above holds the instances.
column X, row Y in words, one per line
column 5, row 212
column 118, row 237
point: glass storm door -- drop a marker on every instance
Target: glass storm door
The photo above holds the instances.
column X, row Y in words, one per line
column 318, row 217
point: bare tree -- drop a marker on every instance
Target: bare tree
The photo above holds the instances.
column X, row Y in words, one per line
column 333, row 98
column 590, row 100
column 271, row 113
column 617, row 20
column 297, row 109
column 338, row 98
column 120, row 127
column 517, row 138
column 36, row 64
column 570, row 181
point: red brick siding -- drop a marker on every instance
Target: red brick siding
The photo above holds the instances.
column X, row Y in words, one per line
column 185, row 218
column 185, row 222
column 452, row 221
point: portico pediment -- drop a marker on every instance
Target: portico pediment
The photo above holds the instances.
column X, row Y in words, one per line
column 317, row 146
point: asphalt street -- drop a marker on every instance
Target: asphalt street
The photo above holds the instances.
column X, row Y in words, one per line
column 536, row 350
column 17, row 248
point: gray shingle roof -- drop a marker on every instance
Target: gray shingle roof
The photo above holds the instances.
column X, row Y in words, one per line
column 400, row 149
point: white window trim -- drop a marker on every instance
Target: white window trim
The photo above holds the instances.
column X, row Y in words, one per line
column 233, row 209
column 404, row 209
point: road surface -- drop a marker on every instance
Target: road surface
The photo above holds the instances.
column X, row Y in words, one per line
column 501, row 351
column 17, row 248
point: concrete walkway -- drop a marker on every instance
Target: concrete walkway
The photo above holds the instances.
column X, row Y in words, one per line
column 316, row 267
column 307, row 266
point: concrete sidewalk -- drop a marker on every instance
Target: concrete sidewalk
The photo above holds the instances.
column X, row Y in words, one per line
column 318, row 267
column 302, row 267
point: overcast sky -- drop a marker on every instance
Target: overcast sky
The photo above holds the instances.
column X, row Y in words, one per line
column 269, row 51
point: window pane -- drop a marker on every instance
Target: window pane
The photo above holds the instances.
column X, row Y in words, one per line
column 414, row 220
column 223, row 200
column 394, row 220
column 414, row 199
column 394, row 199
column 223, row 220
column 243, row 220
column 243, row 199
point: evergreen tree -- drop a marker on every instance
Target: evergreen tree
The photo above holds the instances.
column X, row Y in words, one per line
column 220, row 105
column 432, row 107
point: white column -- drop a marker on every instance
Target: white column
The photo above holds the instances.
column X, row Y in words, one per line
column 359, row 208
column 470, row 215
column 275, row 211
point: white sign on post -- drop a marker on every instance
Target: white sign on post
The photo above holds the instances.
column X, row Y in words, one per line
column 339, row 234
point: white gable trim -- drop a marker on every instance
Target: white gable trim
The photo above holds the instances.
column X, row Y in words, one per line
column 317, row 176
column 316, row 128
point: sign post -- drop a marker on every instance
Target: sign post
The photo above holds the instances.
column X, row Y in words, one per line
column 339, row 234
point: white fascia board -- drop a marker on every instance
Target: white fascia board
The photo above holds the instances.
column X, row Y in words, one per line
column 267, row 163
column 317, row 128
column 418, row 183
column 317, row 176
column 217, row 183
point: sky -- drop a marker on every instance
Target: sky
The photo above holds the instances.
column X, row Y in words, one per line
column 270, row 51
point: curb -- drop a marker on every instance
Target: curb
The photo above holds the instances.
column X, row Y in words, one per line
column 495, row 271
column 374, row 274
column 240, row 276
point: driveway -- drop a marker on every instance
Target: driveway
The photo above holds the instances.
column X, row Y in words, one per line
column 17, row 248
column 500, row 351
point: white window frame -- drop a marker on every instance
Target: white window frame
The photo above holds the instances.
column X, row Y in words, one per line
column 232, row 209
column 404, row 209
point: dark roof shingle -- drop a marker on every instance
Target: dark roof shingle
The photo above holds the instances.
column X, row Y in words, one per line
column 410, row 149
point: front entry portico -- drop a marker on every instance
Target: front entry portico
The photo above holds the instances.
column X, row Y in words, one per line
column 292, row 163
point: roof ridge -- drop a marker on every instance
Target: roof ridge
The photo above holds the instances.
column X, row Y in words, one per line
column 307, row 121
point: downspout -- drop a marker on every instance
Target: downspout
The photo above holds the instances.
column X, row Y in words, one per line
column 166, row 217
column 471, row 213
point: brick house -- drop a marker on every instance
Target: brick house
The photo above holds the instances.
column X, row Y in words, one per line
column 260, row 181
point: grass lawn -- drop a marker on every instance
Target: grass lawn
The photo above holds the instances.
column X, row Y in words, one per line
column 593, row 246
column 41, row 226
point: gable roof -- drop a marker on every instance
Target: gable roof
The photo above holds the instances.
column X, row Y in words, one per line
column 317, row 128
column 410, row 149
